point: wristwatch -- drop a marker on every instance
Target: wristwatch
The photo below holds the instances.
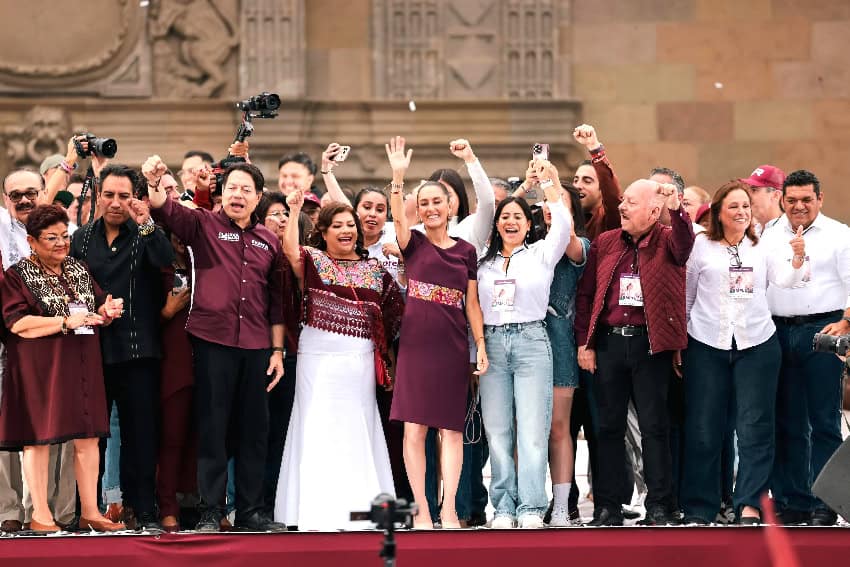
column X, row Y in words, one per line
column 147, row 228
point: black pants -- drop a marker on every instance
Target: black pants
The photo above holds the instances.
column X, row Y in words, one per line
column 233, row 417
column 134, row 387
column 281, row 399
column 626, row 370
column 583, row 416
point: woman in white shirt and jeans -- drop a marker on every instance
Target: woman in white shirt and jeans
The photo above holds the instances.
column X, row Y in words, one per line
column 513, row 287
column 733, row 356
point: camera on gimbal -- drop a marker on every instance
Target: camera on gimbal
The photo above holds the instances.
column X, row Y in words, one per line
column 263, row 105
column 386, row 512
column 831, row 343
column 105, row 147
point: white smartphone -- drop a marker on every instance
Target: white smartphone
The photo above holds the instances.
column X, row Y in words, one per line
column 343, row 152
column 540, row 151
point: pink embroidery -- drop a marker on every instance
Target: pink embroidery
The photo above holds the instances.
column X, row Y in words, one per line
column 435, row 293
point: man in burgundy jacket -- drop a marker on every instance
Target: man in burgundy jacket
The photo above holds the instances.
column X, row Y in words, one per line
column 630, row 309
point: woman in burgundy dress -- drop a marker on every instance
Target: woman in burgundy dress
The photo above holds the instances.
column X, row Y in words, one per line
column 432, row 377
column 53, row 385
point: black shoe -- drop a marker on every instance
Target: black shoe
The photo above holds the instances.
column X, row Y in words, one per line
column 258, row 522
column 210, row 521
column 693, row 521
column 547, row 517
column 789, row 517
column 128, row 516
column 604, row 517
column 824, row 517
column 147, row 522
column 574, row 515
column 749, row 521
column 629, row 514
column 477, row 520
column 658, row 516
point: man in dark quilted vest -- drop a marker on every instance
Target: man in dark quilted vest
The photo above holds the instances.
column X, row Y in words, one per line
column 630, row 318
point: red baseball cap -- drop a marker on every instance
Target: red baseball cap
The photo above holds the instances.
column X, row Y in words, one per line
column 765, row 176
column 310, row 197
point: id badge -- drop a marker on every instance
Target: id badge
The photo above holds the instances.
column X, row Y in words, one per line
column 73, row 309
column 741, row 283
column 631, row 294
column 504, row 292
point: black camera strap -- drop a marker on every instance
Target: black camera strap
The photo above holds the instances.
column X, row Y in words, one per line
column 89, row 185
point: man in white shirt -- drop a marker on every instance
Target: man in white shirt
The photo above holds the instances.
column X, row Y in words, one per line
column 808, row 410
column 765, row 183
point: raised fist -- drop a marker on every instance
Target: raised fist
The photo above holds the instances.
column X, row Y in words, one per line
column 586, row 136
column 461, row 148
column 153, row 169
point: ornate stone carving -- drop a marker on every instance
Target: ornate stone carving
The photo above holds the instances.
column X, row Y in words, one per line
column 43, row 131
column 531, row 43
column 192, row 41
column 466, row 49
column 273, row 48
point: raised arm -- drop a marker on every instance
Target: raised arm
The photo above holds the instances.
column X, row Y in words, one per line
column 486, row 209
column 59, row 179
column 331, row 184
column 609, row 186
column 291, row 248
column 559, row 233
column 682, row 240
column 153, row 169
column 399, row 162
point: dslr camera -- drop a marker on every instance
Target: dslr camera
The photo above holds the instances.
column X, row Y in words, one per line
column 104, row 147
column 264, row 103
column 831, row 343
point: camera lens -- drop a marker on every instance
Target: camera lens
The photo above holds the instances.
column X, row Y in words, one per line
column 106, row 147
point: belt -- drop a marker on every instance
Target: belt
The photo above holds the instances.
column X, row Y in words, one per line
column 628, row 330
column 517, row 326
column 805, row 319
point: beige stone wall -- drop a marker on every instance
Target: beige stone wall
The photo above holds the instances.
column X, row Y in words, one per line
column 714, row 88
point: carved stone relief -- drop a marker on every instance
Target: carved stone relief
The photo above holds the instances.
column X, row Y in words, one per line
column 43, row 131
column 192, row 42
column 466, row 49
column 273, row 48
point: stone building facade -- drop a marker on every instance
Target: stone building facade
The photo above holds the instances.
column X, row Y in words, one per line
column 709, row 87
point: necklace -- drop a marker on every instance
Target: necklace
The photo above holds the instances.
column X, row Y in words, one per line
column 49, row 277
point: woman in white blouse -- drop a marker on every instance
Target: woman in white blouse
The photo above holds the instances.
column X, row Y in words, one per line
column 733, row 356
column 514, row 277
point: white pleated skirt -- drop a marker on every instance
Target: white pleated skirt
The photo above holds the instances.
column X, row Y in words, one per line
column 335, row 460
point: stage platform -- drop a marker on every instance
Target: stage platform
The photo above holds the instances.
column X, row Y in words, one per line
column 588, row 547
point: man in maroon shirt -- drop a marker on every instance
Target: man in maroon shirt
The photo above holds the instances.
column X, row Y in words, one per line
column 236, row 326
column 598, row 186
column 630, row 308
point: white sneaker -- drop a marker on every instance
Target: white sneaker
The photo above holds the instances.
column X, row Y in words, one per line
column 560, row 517
column 502, row 523
column 531, row 522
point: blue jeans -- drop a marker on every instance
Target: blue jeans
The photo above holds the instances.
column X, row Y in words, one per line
column 518, row 382
column 112, row 461
column 713, row 377
column 808, row 415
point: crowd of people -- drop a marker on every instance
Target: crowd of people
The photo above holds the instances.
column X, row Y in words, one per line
column 210, row 351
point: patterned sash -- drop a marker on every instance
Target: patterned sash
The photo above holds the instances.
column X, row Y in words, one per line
column 436, row 293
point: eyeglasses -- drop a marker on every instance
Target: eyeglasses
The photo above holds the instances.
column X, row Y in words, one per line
column 53, row 240
column 279, row 214
column 734, row 258
column 16, row 196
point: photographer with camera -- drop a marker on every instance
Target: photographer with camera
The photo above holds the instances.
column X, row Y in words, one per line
column 236, row 327
column 125, row 251
column 808, row 403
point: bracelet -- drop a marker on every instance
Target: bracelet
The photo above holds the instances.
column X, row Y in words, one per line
column 155, row 187
column 277, row 349
column 64, row 327
column 800, row 258
column 328, row 172
column 396, row 187
column 67, row 167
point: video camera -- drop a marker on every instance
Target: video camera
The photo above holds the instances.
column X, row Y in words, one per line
column 105, row 147
column 263, row 105
column 386, row 512
column 831, row 343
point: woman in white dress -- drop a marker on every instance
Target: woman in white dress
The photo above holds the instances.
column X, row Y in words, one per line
column 335, row 459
